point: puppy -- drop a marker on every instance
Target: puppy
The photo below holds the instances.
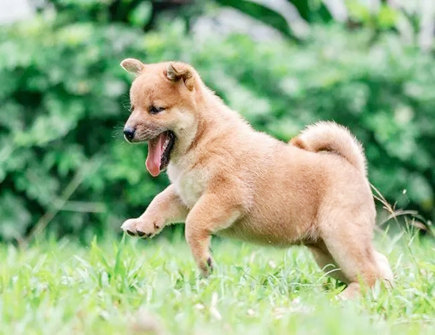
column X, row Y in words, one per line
column 228, row 179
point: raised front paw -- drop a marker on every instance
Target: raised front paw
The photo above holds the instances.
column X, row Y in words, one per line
column 141, row 228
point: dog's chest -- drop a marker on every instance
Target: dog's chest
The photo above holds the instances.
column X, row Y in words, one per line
column 190, row 185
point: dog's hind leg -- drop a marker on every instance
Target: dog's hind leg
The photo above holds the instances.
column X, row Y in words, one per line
column 384, row 266
column 349, row 241
column 326, row 262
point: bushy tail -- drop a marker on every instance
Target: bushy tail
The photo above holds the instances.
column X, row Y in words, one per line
column 329, row 136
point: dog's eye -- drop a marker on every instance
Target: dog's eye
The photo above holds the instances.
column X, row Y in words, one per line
column 155, row 110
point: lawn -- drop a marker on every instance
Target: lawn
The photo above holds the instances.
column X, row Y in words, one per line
column 125, row 286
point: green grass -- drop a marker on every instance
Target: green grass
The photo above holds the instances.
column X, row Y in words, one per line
column 119, row 286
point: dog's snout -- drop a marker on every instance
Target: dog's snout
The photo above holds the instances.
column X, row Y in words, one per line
column 129, row 133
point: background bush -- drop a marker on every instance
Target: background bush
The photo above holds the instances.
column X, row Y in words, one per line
column 64, row 100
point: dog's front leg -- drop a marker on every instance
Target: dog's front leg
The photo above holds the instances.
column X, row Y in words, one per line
column 165, row 208
column 209, row 215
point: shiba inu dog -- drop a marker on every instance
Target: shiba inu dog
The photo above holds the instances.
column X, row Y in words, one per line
column 230, row 180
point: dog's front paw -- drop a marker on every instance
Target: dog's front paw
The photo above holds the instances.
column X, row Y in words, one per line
column 140, row 228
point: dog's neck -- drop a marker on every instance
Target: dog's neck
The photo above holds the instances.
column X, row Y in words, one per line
column 213, row 118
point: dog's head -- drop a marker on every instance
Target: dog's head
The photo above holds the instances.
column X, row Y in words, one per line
column 162, row 108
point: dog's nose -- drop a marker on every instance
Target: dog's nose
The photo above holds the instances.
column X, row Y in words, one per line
column 129, row 133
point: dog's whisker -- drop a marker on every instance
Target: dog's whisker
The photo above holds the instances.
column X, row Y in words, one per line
column 118, row 131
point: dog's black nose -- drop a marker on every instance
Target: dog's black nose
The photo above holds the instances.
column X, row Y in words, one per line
column 129, row 133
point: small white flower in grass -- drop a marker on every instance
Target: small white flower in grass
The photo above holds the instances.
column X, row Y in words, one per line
column 298, row 307
column 66, row 280
column 104, row 315
column 252, row 257
column 148, row 323
column 296, row 301
column 104, row 279
column 213, row 309
column 272, row 264
column 295, row 307
column 177, row 294
column 279, row 312
column 251, row 312
column 199, row 307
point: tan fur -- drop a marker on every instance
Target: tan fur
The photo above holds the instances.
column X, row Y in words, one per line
column 329, row 136
column 230, row 180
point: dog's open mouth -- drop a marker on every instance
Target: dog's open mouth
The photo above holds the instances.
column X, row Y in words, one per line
column 159, row 152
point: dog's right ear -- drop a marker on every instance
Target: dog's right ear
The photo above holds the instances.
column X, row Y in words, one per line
column 132, row 65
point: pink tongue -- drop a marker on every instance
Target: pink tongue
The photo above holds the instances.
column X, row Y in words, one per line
column 155, row 152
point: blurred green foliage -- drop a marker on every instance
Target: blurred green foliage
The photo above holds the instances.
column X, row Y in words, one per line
column 64, row 99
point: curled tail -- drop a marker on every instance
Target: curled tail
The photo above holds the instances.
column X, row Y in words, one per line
column 332, row 137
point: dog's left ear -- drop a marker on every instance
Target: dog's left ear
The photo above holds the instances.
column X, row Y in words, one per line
column 180, row 72
column 132, row 65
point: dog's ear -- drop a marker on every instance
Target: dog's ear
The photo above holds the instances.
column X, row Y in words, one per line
column 180, row 72
column 132, row 65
